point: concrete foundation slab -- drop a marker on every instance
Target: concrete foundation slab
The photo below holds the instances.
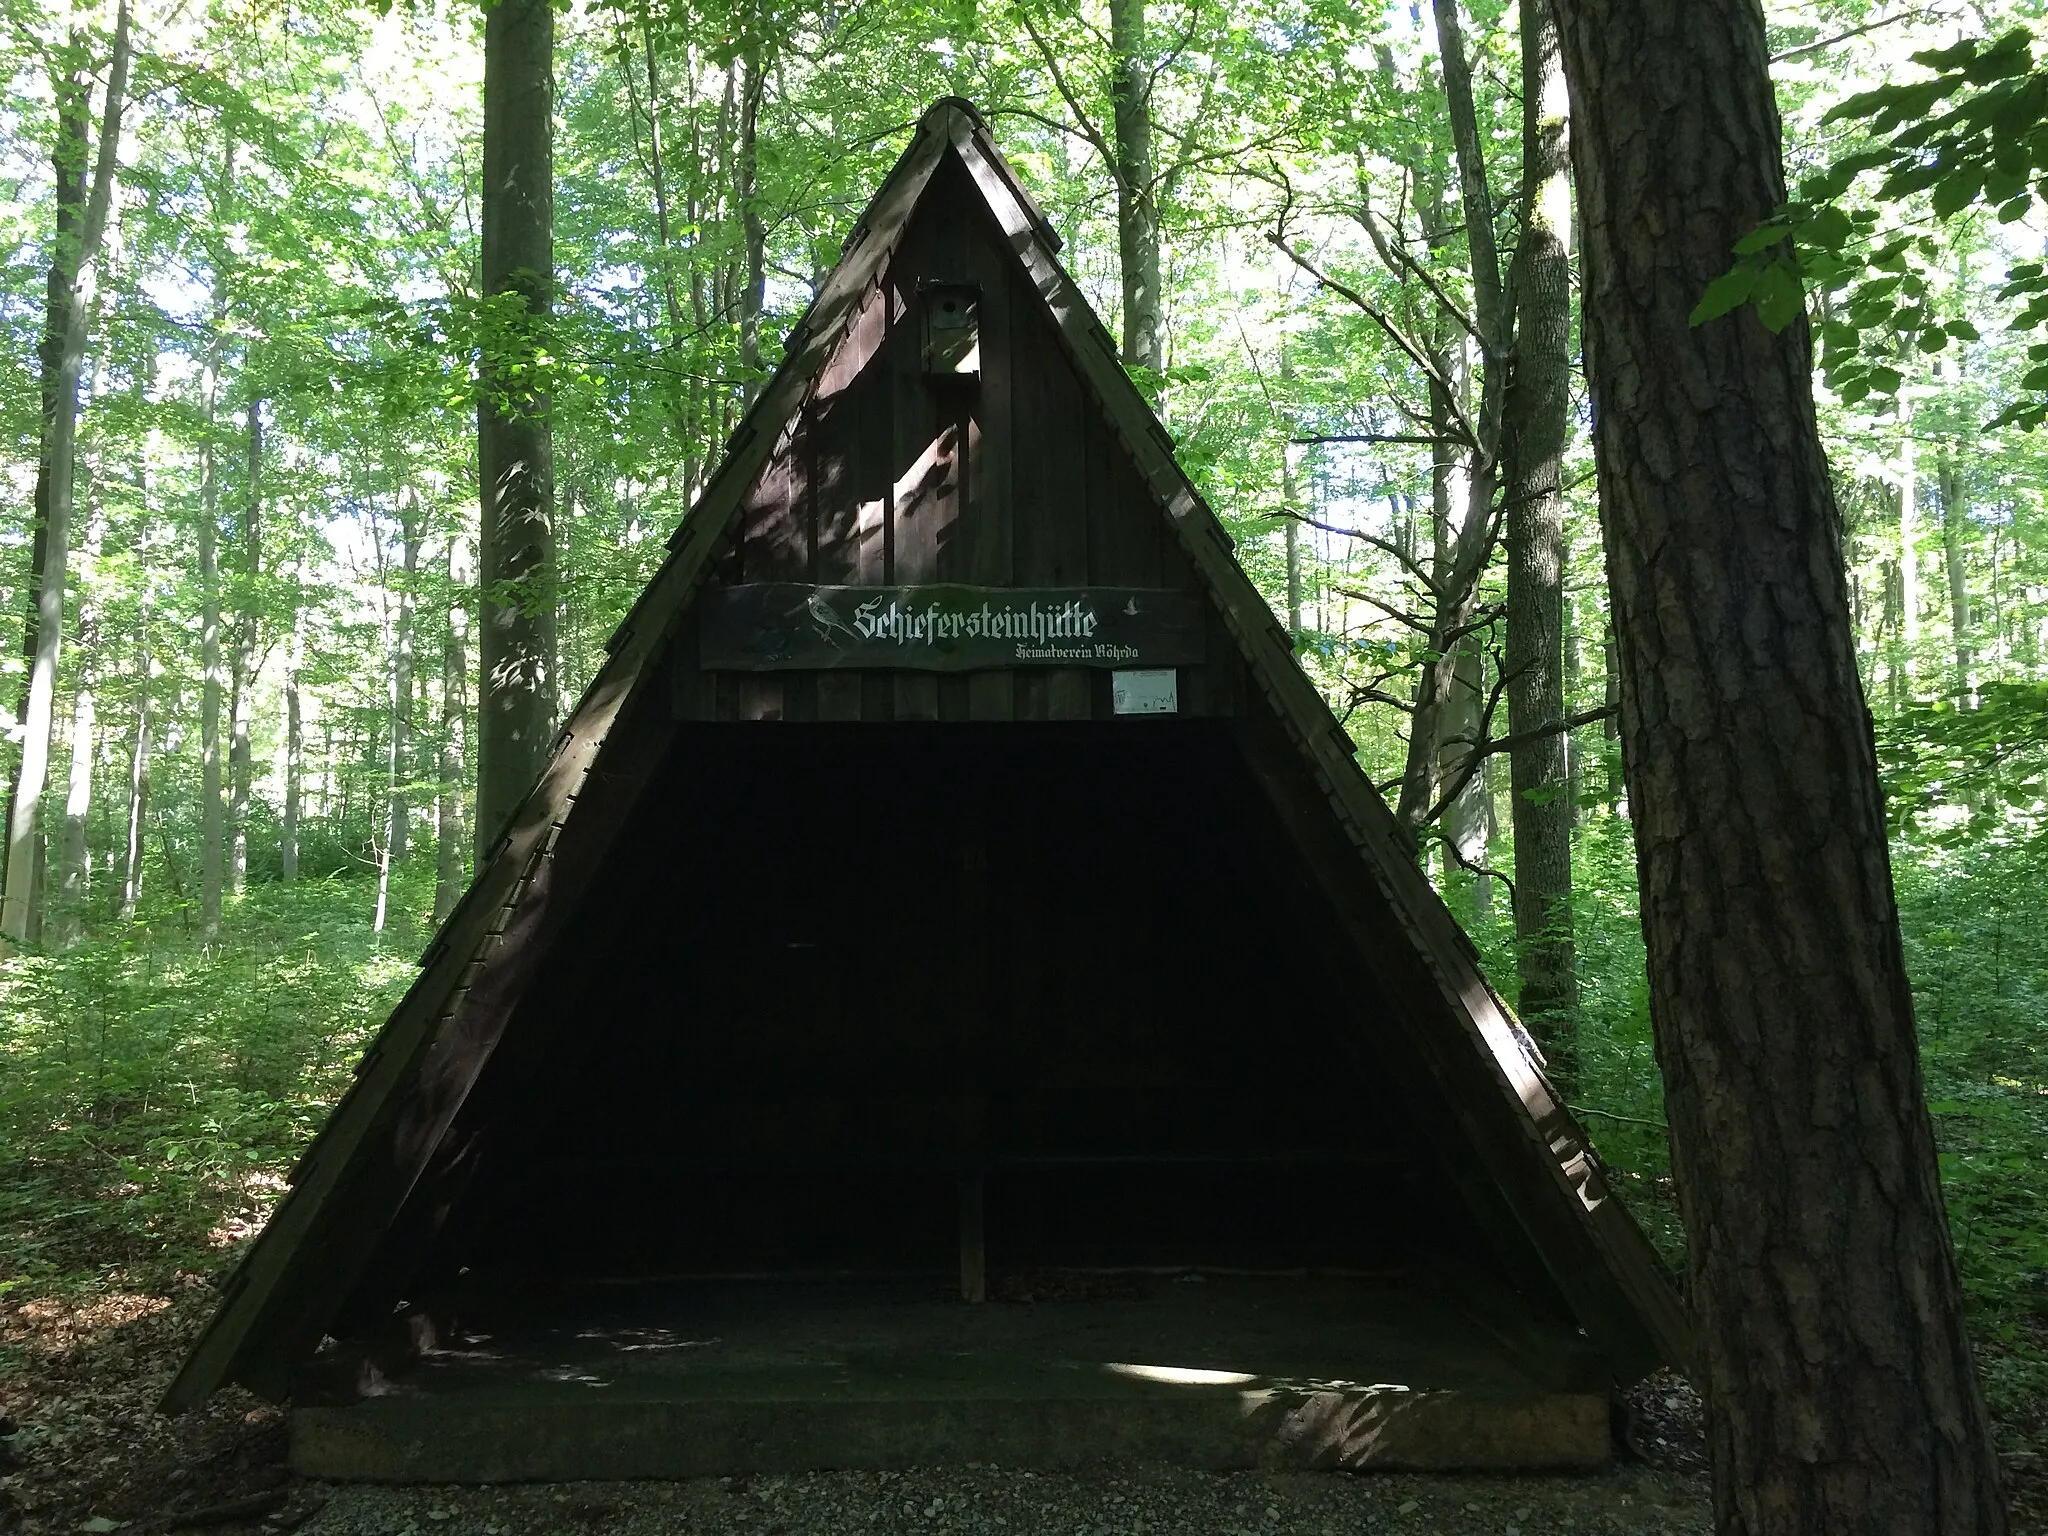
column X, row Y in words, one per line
column 776, row 1377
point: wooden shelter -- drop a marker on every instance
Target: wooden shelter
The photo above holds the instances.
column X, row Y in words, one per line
column 949, row 873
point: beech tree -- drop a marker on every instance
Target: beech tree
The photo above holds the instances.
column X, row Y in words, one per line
column 81, row 228
column 515, row 453
column 1832, row 1352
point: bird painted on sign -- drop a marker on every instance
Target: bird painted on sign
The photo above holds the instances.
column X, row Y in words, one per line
column 830, row 625
column 1130, row 607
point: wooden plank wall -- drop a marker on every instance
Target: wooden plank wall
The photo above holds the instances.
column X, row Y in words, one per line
column 888, row 477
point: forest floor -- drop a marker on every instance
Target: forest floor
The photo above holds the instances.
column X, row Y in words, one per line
column 89, row 1453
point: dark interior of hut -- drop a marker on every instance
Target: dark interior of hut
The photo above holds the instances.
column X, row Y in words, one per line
column 851, row 997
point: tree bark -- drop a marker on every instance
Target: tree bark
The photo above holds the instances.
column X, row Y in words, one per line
column 1909, row 545
column 1830, row 1330
column 1137, row 209
column 247, row 648
column 516, row 548
column 449, row 874
column 62, row 358
column 1535, row 423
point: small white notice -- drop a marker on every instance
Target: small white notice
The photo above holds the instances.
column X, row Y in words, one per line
column 1145, row 691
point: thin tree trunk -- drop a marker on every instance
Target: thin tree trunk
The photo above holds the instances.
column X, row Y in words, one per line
column 74, row 865
column 1909, row 544
column 1456, row 597
column 754, row 293
column 1137, row 211
column 516, row 549
column 210, row 828
column 398, row 836
column 1610, row 728
column 294, row 734
column 1534, row 429
column 63, row 356
column 74, row 862
column 449, row 872
column 1955, row 527
column 1831, row 1344
column 247, row 650
column 1468, row 818
column 138, row 795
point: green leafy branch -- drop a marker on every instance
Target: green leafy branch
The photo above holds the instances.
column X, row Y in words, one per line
column 1974, row 136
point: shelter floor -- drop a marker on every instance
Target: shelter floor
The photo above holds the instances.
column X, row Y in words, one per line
column 1413, row 1371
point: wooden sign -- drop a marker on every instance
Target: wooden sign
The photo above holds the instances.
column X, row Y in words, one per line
column 791, row 626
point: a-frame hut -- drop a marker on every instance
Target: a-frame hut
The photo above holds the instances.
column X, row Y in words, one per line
column 950, row 887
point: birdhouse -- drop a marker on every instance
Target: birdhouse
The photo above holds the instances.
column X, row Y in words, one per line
column 952, row 329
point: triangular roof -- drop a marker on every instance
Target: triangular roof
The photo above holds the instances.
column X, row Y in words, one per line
column 381, row 1138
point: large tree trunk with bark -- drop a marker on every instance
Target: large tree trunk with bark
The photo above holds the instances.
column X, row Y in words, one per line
column 1137, row 207
column 1533, row 431
column 1830, row 1329
column 81, row 226
column 516, row 545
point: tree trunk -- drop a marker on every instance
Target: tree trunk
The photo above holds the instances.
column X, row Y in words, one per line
column 1909, row 545
column 74, row 863
column 1955, row 526
column 1534, row 429
column 399, row 829
column 754, row 292
column 1610, row 728
column 294, row 736
column 449, row 872
column 1137, row 211
column 138, row 792
column 1468, row 815
column 62, row 357
column 210, row 849
column 247, row 650
column 1830, row 1330
column 516, row 550
column 1458, row 572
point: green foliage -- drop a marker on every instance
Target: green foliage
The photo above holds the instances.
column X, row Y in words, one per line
column 1971, row 772
column 154, row 1090
column 1970, row 140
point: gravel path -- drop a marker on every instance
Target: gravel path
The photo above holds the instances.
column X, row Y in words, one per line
column 988, row 1501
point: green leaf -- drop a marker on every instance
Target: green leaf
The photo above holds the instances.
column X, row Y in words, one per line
column 1762, row 238
column 1778, row 296
column 1954, row 193
column 1726, row 292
